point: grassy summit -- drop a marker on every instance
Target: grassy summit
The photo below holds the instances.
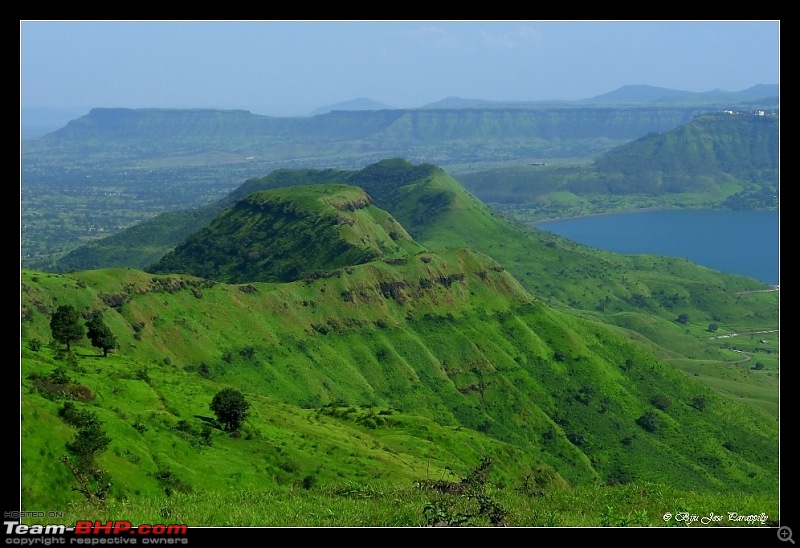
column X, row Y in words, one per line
column 285, row 234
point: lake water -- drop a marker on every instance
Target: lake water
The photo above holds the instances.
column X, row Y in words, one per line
column 736, row 242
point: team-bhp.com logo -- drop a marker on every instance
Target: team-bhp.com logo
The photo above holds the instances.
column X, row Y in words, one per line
column 94, row 532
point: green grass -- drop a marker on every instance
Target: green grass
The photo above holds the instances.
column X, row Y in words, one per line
column 404, row 505
column 357, row 382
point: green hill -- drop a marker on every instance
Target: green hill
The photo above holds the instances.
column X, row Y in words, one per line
column 285, row 234
column 716, row 160
column 374, row 377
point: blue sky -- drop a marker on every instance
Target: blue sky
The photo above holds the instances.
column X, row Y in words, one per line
column 294, row 67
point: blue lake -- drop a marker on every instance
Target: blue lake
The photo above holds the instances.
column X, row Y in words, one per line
column 736, row 242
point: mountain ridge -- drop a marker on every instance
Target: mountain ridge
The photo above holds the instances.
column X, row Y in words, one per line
column 39, row 119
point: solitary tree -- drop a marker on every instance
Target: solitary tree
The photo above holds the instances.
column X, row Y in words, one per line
column 230, row 407
column 100, row 335
column 90, row 440
column 65, row 325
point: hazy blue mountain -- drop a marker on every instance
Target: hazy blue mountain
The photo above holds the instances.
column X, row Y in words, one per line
column 360, row 103
column 652, row 94
column 38, row 121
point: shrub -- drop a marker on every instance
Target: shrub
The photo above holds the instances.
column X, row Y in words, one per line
column 78, row 418
column 649, row 421
column 661, row 401
column 309, row 482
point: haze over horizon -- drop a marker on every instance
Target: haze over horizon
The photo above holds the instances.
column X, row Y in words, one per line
column 290, row 68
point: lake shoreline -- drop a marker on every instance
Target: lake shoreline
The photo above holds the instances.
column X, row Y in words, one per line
column 605, row 214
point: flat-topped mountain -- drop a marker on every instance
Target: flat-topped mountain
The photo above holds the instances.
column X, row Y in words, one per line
column 472, row 134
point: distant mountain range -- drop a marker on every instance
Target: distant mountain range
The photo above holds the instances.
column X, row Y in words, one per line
column 634, row 94
column 650, row 94
column 37, row 121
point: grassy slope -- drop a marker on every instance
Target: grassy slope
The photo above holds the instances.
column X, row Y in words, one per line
column 465, row 365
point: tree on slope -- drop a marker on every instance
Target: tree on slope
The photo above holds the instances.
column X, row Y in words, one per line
column 231, row 408
column 65, row 325
column 100, row 334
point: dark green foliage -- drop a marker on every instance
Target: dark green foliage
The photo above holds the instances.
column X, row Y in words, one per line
column 203, row 436
column 441, row 513
column 170, row 481
column 699, row 402
column 77, row 417
column 661, row 401
column 308, row 482
column 231, row 408
column 649, row 421
column 35, row 344
column 683, row 318
column 90, row 441
column 248, row 352
column 712, row 327
column 207, row 435
column 142, row 374
column 65, row 325
column 59, row 376
column 100, row 334
column 586, row 394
